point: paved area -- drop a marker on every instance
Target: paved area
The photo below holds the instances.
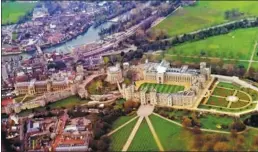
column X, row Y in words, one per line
column 145, row 110
column 154, row 134
column 133, row 133
column 120, row 127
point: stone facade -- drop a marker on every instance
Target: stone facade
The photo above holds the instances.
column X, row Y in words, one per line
column 39, row 87
column 162, row 73
column 114, row 74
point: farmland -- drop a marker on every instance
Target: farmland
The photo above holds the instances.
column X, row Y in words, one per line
column 12, row 11
column 205, row 14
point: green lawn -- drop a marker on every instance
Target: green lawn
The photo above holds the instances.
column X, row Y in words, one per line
column 238, row 104
column 121, row 120
column 171, row 136
column 221, row 102
column 204, row 14
column 242, row 96
column 228, row 85
column 255, row 66
column 175, row 138
column 256, row 54
column 143, row 140
column 67, row 102
column 234, row 45
column 210, row 122
column 119, row 138
column 161, row 88
column 11, row 11
column 222, row 92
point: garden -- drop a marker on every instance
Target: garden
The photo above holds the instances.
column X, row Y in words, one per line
column 223, row 92
column 217, row 101
column 161, row 88
column 100, row 86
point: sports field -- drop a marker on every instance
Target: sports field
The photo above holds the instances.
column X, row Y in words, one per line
column 161, row 88
column 11, row 11
column 205, row 14
column 238, row 44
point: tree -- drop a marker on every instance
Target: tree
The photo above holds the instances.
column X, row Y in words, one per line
column 187, row 122
column 221, row 146
column 238, row 126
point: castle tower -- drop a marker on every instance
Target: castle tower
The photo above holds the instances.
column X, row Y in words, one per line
column 153, row 97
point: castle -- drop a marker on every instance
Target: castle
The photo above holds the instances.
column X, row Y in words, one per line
column 162, row 73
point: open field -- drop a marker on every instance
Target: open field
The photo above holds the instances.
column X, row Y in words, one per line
column 121, row 120
column 11, row 11
column 172, row 137
column 161, row 88
column 234, row 45
column 205, row 14
column 176, row 138
column 119, row 138
column 255, row 66
column 143, row 140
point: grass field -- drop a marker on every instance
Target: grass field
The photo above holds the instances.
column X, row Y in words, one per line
column 234, row 45
column 161, row 88
column 222, row 92
column 238, row 104
column 143, row 140
column 121, row 120
column 221, row 102
column 172, row 137
column 228, row 85
column 255, row 66
column 242, row 96
column 211, row 122
column 11, row 11
column 175, row 138
column 119, row 138
column 256, row 53
column 67, row 102
column 204, row 14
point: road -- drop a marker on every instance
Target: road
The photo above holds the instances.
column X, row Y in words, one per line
column 251, row 58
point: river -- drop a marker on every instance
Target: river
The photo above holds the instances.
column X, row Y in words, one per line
column 89, row 36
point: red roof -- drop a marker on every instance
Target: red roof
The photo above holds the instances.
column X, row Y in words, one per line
column 6, row 101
